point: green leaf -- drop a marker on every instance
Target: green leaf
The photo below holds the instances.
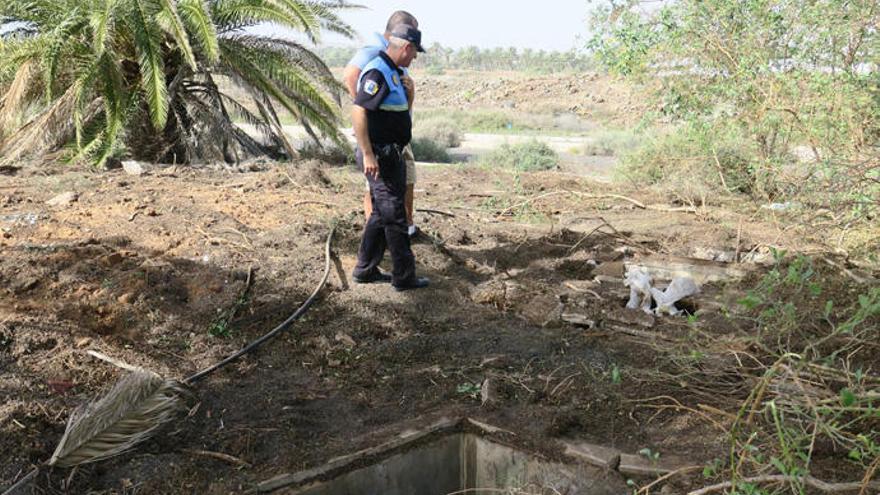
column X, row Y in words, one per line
column 847, row 397
column 616, row 377
column 779, row 465
column 829, row 306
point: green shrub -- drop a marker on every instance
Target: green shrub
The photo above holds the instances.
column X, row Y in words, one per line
column 611, row 143
column 530, row 156
column 694, row 162
column 427, row 150
column 441, row 130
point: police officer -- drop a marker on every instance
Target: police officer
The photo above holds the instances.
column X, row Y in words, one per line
column 351, row 75
column 383, row 127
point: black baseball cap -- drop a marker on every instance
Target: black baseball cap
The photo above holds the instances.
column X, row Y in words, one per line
column 408, row 33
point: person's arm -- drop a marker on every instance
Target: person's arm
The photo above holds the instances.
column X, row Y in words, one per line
column 368, row 98
column 350, row 76
column 361, row 133
column 410, row 86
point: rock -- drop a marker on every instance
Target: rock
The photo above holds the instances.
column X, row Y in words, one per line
column 631, row 317
column 112, row 163
column 345, row 339
column 578, row 320
column 712, row 254
column 132, row 167
column 702, row 271
column 637, row 465
column 597, row 455
column 63, row 199
column 543, row 310
column 126, row 298
column 487, row 392
column 25, row 285
column 611, row 269
column 82, row 342
column 111, row 259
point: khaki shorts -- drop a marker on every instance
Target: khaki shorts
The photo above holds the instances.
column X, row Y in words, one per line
column 410, row 160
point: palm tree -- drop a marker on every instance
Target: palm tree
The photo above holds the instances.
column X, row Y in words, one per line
column 147, row 77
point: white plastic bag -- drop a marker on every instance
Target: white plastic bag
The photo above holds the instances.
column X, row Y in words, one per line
column 678, row 289
column 639, row 283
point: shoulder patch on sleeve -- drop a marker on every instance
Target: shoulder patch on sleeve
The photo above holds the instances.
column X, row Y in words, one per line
column 370, row 87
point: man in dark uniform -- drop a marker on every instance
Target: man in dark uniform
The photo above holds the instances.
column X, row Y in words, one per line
column 383, row 127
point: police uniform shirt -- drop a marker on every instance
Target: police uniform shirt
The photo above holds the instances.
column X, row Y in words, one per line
column 384, row 127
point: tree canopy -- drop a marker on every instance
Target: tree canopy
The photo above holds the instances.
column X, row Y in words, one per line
column 140, row 77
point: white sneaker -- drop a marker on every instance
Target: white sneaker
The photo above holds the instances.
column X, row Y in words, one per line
column 411, row 230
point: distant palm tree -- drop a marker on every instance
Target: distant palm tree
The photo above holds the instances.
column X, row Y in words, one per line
column 103, row 76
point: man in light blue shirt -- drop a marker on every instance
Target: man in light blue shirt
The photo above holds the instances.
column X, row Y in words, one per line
column 350, row 77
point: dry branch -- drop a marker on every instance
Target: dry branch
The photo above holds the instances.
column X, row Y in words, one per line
column 818, row 484
column 219, row 456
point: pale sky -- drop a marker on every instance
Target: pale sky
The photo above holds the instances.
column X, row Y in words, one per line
column 547, row 24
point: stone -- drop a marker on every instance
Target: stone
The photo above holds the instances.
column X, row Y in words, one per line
column 544, row 310
column 111, row 259
column 345, row 339
column 126, row 298
column 25, row 285
column 597, row 455
column 613, row 269
column 82, row 342
column 702, row 271
column 631, row 317
column 579, row 320
column 487, row 392
column 135, row 168
column 712, row 254
column 63, row 199
column 637, row 465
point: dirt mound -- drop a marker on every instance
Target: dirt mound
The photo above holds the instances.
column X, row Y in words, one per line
column 585, row 95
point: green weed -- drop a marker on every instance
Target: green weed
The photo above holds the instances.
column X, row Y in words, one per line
column 427, row 150
column 531, row 156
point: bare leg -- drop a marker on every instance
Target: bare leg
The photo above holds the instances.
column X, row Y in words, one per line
column 408, row 202
column 368, row 205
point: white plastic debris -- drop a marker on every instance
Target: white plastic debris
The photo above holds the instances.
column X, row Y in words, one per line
column 678, row 289
column 639, row 283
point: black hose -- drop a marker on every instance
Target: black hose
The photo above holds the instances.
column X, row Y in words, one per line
column 280, row 328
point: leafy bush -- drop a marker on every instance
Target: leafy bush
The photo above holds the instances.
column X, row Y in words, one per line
column 772, row 69
column 611, row 143
column 694, row 162
column 426, row 150
column 442, row 130
column 530, row 156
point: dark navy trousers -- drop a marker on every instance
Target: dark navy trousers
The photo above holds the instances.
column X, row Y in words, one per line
column 387, row 226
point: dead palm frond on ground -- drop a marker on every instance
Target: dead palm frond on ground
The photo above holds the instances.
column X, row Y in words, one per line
column 146, row 78
column 142, row 402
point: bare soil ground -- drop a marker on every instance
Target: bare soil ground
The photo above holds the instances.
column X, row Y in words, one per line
column 144, row 268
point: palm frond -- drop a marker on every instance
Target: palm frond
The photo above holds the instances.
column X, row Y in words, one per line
column 46, row 131
column 231, row 15
column 197, row 18
column 171, row 22
column 101, row 21
column 305, row 13
column 10, row 105
column 330, row 21
column 152, row 65
column 129, row 413
column 60, row 38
